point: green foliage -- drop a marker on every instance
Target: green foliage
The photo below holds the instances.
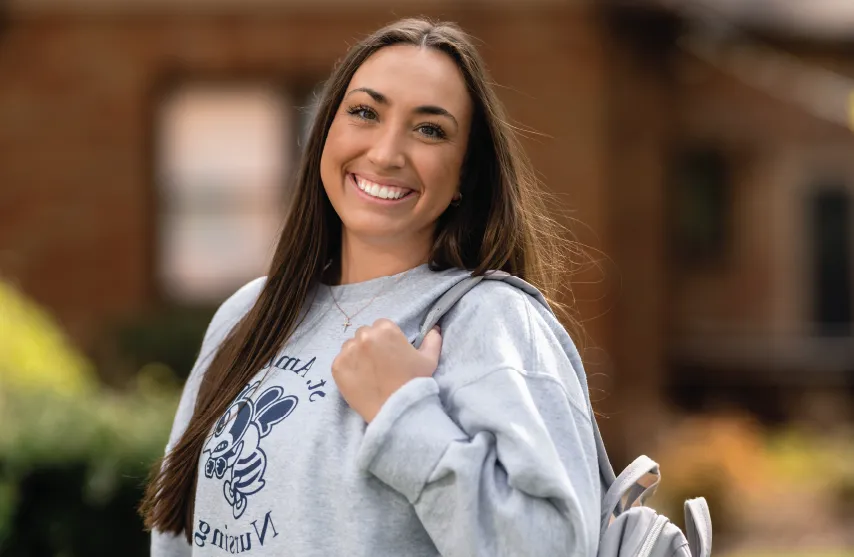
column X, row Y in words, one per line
column 171, row 337
column 33, row 351
column 71, row 462
column 73, row 456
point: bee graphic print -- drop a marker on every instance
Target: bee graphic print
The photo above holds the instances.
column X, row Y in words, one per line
column 234, row 452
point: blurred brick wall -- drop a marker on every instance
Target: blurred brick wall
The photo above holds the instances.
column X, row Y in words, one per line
column 77, row 195
column 778, row 152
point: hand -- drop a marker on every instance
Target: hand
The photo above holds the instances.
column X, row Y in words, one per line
column 378, row 361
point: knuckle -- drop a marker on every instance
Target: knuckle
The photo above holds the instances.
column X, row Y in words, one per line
column 363, row 333
column 383, row 324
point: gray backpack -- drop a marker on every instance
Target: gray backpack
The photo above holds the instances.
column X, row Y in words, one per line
column 629, row 529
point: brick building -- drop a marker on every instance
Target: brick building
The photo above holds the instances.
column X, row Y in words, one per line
column 103, row 106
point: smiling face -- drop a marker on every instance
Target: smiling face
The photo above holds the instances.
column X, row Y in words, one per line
column 392, row 159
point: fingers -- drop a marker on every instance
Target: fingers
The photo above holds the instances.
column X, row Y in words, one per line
column 381, row 331
column 432, row 345
column 362, row 333
column 381, row 328
column 385, row 325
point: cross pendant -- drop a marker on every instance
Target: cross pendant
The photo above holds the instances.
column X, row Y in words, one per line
column 346, row 325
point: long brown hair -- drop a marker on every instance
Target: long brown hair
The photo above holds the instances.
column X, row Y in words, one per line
column 502, row 223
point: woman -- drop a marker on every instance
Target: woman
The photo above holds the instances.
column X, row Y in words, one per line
column 310, row 425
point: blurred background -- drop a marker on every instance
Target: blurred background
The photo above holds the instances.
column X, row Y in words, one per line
column 701, row 150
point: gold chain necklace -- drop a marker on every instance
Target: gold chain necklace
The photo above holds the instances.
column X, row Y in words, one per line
column 348, row 319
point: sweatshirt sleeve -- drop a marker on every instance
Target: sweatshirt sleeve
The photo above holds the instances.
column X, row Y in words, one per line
column 496, row 452
column 226, row 317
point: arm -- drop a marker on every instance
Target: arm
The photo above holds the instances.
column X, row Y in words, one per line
column 228, row 314
column 515, row 474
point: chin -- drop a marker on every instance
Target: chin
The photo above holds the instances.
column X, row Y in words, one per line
column 379, row 235
column 375, row 227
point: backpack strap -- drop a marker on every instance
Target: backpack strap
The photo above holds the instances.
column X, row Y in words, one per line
column 698, row 527
column 456, row 292
column 633, row 486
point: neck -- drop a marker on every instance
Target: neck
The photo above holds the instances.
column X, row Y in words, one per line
column 364, row 260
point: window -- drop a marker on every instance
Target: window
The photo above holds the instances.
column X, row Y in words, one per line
column 223, row 156
column 830, row 212
column 699, row 205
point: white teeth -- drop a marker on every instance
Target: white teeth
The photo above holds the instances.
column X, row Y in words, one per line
column 378, row 191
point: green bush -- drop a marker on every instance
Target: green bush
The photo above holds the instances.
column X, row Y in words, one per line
column 34, row 353
column 170, row 336
column 74, row 468
column 73, row 455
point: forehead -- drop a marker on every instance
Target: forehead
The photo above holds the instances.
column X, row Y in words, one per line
column 414, row 75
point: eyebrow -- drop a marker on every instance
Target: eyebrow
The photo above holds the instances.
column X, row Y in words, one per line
column 379, row 98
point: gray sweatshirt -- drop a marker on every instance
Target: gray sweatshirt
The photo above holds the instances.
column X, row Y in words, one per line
column 492, row 456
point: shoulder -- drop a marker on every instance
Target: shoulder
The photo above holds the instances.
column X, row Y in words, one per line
column 243, row 299
column 229, row 313
column 496, row 304
column 232, row 310
column 497, row 326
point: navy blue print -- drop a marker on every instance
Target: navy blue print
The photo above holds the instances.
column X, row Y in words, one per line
column 234, row 452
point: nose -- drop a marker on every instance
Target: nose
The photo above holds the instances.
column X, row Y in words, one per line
column 387, row 152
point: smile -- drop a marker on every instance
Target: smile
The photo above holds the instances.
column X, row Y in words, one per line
column 380, row 192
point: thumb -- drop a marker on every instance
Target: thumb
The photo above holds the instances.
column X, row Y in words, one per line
column 431, row 346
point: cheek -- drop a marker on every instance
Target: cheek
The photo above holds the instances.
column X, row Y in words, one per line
column 442, row 174
column 340, row 147
column 325, row 168
column 328, row 171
